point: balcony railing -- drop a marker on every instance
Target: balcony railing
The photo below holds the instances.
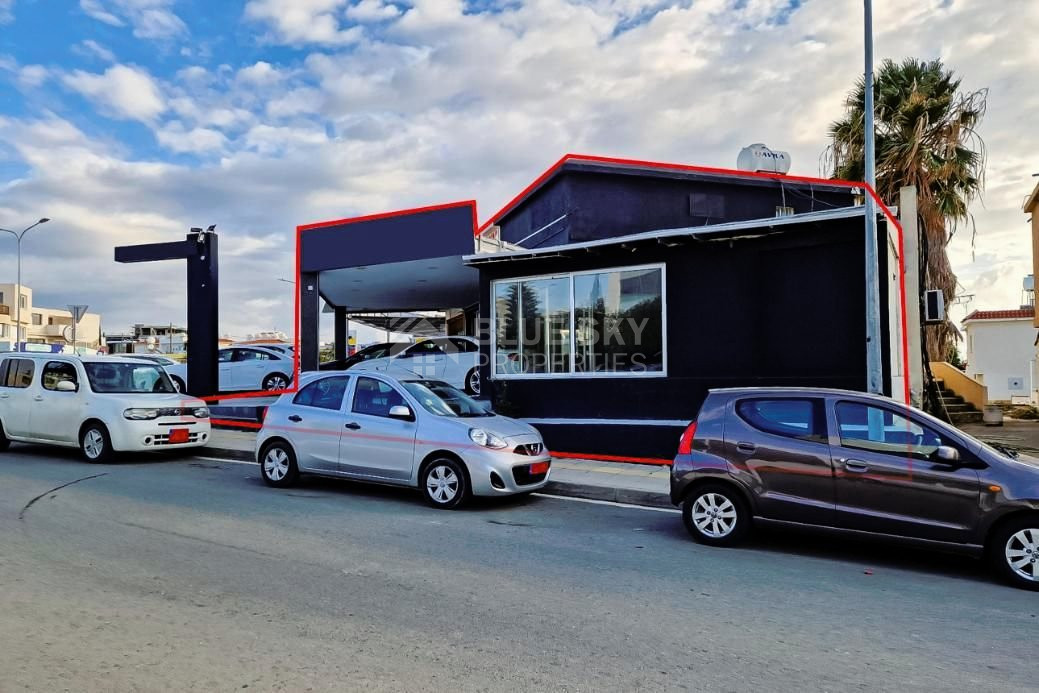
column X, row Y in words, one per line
column 5, row 309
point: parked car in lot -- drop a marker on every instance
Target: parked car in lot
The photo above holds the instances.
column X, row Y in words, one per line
column 858, row 464
column 101, row 405
column 454, row 360
column 245, row 368
column 370, row 352
column 413, row 432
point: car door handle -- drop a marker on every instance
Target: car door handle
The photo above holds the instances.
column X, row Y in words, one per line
column 296, row 418
column 38, row 398
column 354, row 426
column 746, row 448
column 856, row 466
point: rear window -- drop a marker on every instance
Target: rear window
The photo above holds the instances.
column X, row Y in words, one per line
column 791, row 418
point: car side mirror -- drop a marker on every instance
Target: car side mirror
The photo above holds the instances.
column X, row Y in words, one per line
column 66, row 386
column 947, row 454
column 401, row 412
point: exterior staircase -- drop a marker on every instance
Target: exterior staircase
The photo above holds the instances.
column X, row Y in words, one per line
column 960, row 410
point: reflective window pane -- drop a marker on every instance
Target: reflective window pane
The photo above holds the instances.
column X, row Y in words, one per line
column 619, row 321
column 506, row 328
column 545, row 334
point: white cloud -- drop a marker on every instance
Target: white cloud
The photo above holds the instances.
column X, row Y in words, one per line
column 150, row 19
column 122, row 91
column 33, row 75
column 91, row 48
column 371, row 11
column 6, row 11
column 261, row 73
column 304, row 21
column 198, row 140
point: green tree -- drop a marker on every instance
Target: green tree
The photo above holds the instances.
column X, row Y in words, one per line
column 926, row 135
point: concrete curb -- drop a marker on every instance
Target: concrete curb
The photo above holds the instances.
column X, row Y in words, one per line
column 559, row 488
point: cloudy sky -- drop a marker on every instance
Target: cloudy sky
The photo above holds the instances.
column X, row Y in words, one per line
column 131, row 120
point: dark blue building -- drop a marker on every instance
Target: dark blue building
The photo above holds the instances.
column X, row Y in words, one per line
column 612, row 296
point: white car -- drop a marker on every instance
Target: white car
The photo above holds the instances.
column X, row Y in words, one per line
column 100, row 404
column 454, row 360
column 245, row 368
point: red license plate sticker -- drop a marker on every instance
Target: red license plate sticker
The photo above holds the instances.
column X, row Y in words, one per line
column 539, row 468
column 179, row 435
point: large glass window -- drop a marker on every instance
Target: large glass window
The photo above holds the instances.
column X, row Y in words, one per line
column 608, row 322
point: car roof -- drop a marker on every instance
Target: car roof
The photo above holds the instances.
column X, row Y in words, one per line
column 802, row 392
column 70, row 357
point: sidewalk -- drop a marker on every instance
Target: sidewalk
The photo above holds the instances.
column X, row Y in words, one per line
column 638, row 484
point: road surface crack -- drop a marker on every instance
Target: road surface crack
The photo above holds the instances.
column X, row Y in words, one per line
column 25, row 508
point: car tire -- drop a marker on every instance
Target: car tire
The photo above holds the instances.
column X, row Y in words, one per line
column 716, row 515
column 5, row 442
column 278, row 465
column 1014, row 552
column 444, row 484
column 179, row 385
column 275, row 381
column 472, row 382
column 95, row 445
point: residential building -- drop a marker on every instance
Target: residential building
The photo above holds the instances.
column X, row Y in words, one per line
column 1001, row 352
column 142, row 339
column 43, row 327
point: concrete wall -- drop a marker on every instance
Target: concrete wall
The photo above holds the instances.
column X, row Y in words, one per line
column 1001, row 354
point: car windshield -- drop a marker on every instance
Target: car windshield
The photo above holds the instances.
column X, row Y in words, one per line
column 443, row 400
column 127, row 378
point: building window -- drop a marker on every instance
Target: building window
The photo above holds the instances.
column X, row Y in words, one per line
column 37, row 318
column 23, row 300
column 3, row 330
column 600, row 323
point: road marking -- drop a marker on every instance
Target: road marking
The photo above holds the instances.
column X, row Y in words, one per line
column 616, row 504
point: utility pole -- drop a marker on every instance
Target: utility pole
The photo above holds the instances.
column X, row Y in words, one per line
column 19, row 235
column 874, row 366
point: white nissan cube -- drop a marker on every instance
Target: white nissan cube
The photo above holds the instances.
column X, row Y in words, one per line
column 101, row 404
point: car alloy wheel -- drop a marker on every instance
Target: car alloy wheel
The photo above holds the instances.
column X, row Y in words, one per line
column 177, row 384
column 472, row 382
column 275, row 382
column 278, row 465
column 1022, row 554
column 716, row 514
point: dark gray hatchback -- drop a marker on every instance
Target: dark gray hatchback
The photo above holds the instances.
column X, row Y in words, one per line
column 859, row 463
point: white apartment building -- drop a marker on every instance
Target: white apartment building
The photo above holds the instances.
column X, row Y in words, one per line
column 41, row 328
column 1001, row 353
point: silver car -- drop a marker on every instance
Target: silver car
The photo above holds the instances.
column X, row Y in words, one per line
column 405, row 432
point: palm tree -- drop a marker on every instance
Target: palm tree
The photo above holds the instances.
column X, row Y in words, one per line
column 925, row 136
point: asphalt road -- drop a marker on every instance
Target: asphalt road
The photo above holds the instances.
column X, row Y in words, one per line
column 189, row 574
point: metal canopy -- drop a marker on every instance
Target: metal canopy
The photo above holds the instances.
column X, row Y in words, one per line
column 727, row 230
column 427, row 284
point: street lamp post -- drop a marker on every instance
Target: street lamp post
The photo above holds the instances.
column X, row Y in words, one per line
column 874, row 367
column 19, row 235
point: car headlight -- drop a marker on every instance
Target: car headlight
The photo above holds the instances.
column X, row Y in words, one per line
column 200, row 412
column 141, row 414
column 486, row 439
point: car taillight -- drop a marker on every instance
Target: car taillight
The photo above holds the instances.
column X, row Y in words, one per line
column 685, row 445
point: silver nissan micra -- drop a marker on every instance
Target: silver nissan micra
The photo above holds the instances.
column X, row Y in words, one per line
column 406, row 432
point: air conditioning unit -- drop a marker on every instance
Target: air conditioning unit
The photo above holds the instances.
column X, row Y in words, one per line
column 934, row 306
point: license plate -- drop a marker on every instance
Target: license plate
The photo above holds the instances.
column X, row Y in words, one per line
column 539, row 468
column 179, row 435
